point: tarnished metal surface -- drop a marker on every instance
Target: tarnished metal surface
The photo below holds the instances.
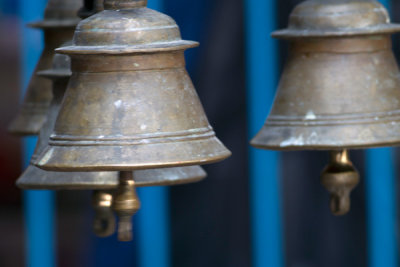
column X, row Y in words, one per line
column 35, row 178
column 339, row 178
column 340, row 88
column 130, row 103
column 58, row 26
column 335, row 18
column 336, row 91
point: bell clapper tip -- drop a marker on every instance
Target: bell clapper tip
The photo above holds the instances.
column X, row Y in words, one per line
column 125, row 228
column 340, row 204
column 104, row 220
column 340, row 178
column 126, row 204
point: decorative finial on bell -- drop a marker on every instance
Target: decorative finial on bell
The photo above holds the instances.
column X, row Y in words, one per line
column 340, row 178
column 58, row 26
column 340, row 86
column 125, row 204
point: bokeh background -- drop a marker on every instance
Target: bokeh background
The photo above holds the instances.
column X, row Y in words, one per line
column 209, row 221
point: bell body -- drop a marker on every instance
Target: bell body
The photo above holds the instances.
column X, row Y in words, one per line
column 34, row 108
column 336, row 93
column 35, row 178
column 58, row 26
column 130, row 103
column 340, row 87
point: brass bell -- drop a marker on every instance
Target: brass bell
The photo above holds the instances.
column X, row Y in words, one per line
column 340, row 86
column 58, row 26
column 130, row 104
column 35, row 178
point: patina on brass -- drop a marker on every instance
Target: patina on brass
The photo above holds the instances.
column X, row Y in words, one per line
column 58, row 26
column 130, row 103
column 125, row 204
column 340, row 86
column 339, row 178
column 104, row 219
column 35, row 178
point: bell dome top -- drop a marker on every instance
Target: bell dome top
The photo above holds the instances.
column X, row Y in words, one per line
column 330, row 18
column 59, row 13
column 126, row 26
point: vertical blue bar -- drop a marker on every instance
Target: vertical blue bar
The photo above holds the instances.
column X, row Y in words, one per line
column 153, row 228
column 38, row 205
column 381, row 204
column 153, row 217
column 381, row 208
column 261, row 61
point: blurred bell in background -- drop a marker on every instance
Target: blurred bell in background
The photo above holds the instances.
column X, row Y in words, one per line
column 210, row 223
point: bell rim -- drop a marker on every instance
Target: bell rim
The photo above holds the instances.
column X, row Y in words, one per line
column 132, row 167
column 276, row 143
column 323, row 147
column 64, row 158
column 54, row 74
column 83, row 186
column 20, row 126
column 54, row 23
column 26, row 182
column 124, row 49
column 291, row 33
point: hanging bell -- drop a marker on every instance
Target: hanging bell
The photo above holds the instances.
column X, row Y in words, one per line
column 35, row 178
column 340, row 86
column 130, row 103
column 59, row 22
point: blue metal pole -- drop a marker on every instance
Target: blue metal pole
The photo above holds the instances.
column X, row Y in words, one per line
column 38, row 205
column 381, row 205
column 153, row 240
column 261, row 62
column 153, row 217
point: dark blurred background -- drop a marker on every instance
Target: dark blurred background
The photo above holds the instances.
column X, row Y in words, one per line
column 210, row 223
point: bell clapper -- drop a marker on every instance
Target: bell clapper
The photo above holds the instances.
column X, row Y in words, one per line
column 104, row 220
column 340, row 177
column 125, row 204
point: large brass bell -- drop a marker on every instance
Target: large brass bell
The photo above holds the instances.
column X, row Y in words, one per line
column 59, row 22
column 35, row 178
column 130, row 104
column 340, row 87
